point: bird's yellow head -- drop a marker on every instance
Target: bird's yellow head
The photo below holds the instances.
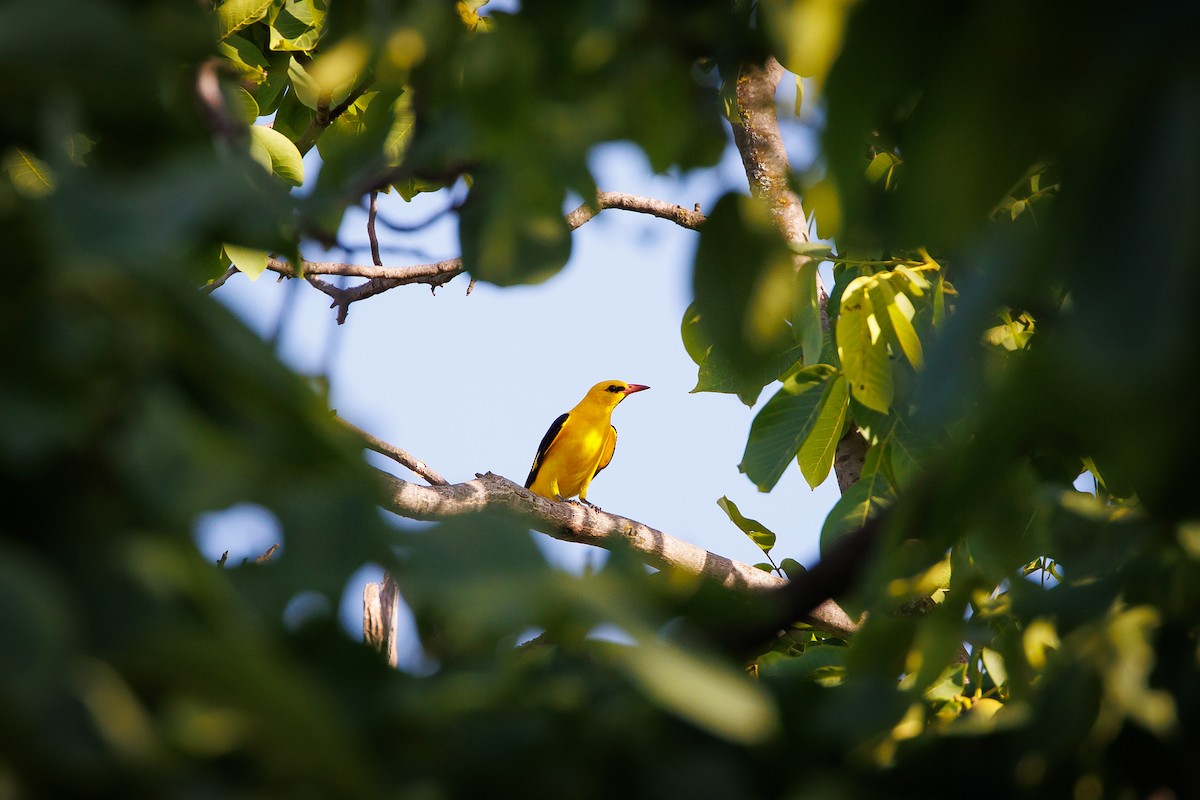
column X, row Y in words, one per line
column 609, row 393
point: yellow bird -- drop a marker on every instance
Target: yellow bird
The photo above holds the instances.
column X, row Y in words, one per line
column 579, row 444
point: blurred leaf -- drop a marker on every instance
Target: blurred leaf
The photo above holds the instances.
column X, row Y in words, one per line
column 743, row 282
column 784, row 423
column 806, row 317
column 857, row 504
column 706, row 692
column 993, row 662
column 250, row 261
column 512, row 228
column 792, row 568
column 244, row 106
column 758, row 533
column 30, row 175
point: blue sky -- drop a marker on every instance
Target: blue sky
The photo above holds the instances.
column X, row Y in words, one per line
column 470, row 383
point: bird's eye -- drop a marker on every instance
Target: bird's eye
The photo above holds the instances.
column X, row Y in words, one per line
column 614, row 388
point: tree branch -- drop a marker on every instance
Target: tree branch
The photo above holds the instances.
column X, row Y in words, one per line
column 381, row 278
column 575, row 523
column 400, row 456
column 760, row 143
column 643, row 205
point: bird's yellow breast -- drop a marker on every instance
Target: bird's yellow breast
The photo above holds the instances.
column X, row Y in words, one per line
column 572, row 460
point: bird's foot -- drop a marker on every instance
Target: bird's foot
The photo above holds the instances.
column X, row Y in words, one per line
column 589, row 504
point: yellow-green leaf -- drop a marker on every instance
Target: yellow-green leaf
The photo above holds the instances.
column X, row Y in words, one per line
column 30, row 176
column 282, row 158
column 249, row 261
column 862, row 349
column 233, row 15
column 896, row 312
column 816, row 454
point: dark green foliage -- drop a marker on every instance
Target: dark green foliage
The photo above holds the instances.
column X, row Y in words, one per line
column 1015, row 269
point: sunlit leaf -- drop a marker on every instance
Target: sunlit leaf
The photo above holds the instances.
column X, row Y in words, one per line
column 817, row 452
column 233, row 15
column 806, row 319
column 283, row 159
column 993, row 662
column 895, row 312
column 249, row 261
column 861, row 348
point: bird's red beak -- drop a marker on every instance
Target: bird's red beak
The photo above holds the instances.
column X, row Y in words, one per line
column 635, row 387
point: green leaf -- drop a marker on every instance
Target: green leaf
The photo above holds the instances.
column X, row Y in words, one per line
column 818, row 251
column 907, row 451
column 247, row 59
column 249, row 261
column 30, row 176
column 708, row 693
column 758, row 533
column 782, row 425
column 512, row 228
column 881, row 165
column 282, row 158
column 296, row 25
column 244, row 106
column 896, row 319
column 718, row 374
column 792, row 568
column 269, row 92
column 993, row 662
column 806, row 317
column 817, row 451
column 233, row 15
column 859, row 503
column 304, row 86
column 743, row 283
column 861, row 348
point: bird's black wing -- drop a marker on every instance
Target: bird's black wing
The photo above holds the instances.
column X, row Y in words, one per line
column 547, row 440
column 604, row 462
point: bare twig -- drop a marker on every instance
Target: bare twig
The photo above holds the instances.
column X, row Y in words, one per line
column 380, row 279
column 217, row 283
column 417, row 227
column 575, row 523
column 642, row 205
column 372, row 209
column 397, row 454
column 265, row 557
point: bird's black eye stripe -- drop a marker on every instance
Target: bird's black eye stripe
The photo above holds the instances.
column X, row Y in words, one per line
column 613, row 388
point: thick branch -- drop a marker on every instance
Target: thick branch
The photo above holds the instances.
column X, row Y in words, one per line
column 765, row 160
column 574, row 523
